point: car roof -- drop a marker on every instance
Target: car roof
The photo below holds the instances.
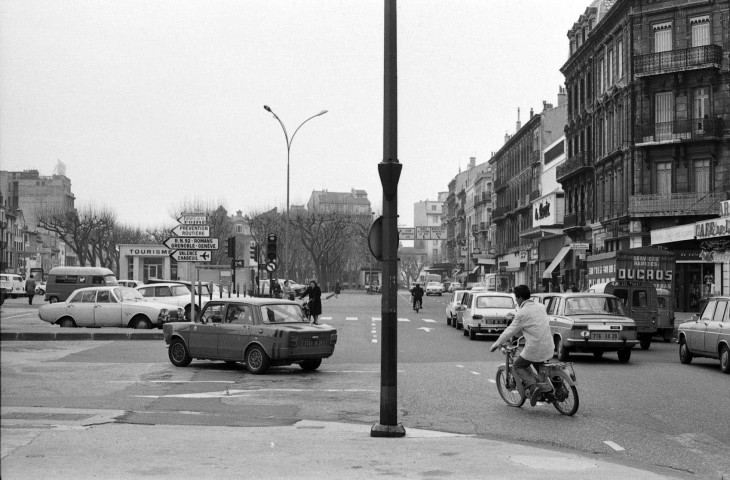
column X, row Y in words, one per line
column 254, row 301
column 582, row 294
column 484, row 293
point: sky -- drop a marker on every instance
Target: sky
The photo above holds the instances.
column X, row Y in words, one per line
column 154, row 104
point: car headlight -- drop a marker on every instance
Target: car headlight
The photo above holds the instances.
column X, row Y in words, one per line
column 164, row 311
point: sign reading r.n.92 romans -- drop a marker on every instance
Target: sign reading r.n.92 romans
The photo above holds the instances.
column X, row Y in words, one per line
column 191, row 243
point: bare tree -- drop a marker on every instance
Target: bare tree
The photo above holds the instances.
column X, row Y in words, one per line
column 411, row 264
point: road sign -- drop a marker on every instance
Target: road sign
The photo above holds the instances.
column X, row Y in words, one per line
column 191, row 243
column 193, row 219
column 191, row 255
column 423, row 233
column 271, row 266
column 438, row 233
column 184, row 230
column 238, row 264
column 406, row 233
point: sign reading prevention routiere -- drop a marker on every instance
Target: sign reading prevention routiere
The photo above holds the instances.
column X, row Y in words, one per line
column 184, row 230
column 191, row 243
column 191, row 255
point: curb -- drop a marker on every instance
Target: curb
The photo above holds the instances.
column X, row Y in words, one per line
column 98, row 336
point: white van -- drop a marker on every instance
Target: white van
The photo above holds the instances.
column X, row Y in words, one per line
column 12, row 285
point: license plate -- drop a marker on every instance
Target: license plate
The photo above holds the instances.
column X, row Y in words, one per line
column 312, row 343
column 604, row 336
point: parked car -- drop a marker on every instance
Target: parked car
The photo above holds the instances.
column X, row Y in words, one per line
column 591, row 322
column 487, row 312
column 297, row 288
column 12, row 285
column 130, row 283
column 451, row 306
column 453, row 286
column 542, row 297
column 707, row 334
column 40, row 288
column 109, row 306
column 434, row 288
column 62, row 281
column 260, row 332
column 175, row 293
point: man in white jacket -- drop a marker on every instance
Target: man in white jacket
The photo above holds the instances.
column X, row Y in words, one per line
column 533, row 323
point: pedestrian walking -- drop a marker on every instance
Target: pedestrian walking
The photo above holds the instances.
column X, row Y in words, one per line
column 286, row 291
column 30, row 289
column 337, row 290
column 315, row 300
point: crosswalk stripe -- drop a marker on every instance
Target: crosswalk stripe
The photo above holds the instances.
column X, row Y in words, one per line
column 428, row 320
column 403, row 319
column 325, row 318
column 376, row 319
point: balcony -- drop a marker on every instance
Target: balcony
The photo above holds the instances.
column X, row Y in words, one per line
column 500, row 212
column 678, row 131
column 695, row 58
column 610, row 210
column 575, row 219
column 499, row 184
column 534, row 195
column 475, row 229
column 572, row 166
column 675, row 204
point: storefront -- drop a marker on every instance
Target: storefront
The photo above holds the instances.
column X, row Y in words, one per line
column 142, row 262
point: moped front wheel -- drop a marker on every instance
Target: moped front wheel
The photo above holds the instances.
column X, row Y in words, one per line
column 508, row 389
column 566, row 396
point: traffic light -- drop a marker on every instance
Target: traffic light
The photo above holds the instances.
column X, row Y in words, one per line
column 231, row 247
column 253, row 251
column 271, row 247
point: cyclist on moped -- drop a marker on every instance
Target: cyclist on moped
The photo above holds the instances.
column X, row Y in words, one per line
column 417, row 294
column 533, row 323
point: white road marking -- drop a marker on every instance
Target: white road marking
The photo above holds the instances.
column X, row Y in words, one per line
column 476, row 373
column 374, row 340
column 351, row 318
column 491, row 380
column 403, row 319
column 8, row 317
column 615, row 446
column 427, row 329
column 376, row 319
column 460, row 366
column 244, row 393
column 428, row 320
column 171, row 381
column 325, row 318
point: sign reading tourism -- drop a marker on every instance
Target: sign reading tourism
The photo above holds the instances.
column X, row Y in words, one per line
column 193, row 219
column 191, row 243
column 183, row 230
column 191, row 255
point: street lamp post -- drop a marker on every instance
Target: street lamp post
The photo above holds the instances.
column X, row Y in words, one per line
column 288, row 151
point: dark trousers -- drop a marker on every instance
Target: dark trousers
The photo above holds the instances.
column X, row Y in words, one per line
column 30, row 298
column 523, row 370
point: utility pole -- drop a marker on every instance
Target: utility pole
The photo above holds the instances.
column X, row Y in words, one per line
column 389, row 171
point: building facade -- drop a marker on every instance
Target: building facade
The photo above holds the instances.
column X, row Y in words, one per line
column 647, row 131
column 428, row 213
column 354, row 202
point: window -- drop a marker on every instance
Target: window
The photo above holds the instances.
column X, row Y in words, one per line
column 702, row 175
column 610, row 68
column 147, row 292
column 639, row 299
column 212, row 314
column 88, row 296
column 103, row 297
column 620, row 61
column 664, row 178
column 663, row 37
column 700, row 30
column 663, row 115
column 720, row 314
column 239, row 228
column 701, row 108
column 239, row 314
column 162, row 292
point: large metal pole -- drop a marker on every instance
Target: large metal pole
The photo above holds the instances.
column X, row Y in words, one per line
column 389, row 170
column 286, row 226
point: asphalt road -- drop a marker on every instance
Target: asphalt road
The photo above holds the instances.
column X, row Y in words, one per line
column 652, row 411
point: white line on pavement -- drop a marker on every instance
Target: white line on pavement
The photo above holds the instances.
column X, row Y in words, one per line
column 491, row 380
column 403, row 319
column 476, row 373
column 325, row 318
column 376, row 319
column 8, row 317
column 613, row 445
column 350, row 318
column 428, row 320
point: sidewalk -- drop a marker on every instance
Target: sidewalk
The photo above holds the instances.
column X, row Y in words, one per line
column 98, row 447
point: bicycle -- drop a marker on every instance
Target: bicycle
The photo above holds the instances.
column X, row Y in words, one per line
column 417, row 304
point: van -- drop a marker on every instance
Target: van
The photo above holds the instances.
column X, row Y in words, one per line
column 62, row 281
column 640, row 300
column 665, row 325
column 12, row 285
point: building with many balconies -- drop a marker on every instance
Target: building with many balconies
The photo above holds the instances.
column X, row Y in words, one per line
column 647, row 131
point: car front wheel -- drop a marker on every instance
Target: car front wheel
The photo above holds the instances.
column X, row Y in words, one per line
column 178, row 353
column 725, row 359
column 685, row 356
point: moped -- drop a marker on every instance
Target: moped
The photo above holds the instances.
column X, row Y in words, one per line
column 560, row 376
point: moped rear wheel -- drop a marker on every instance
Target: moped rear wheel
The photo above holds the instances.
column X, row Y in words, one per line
column 508, row 389
column 566, row 396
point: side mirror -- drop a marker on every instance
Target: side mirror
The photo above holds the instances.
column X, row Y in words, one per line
column 695, row 317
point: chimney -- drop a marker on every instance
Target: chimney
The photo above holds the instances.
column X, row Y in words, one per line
column 472, row 162
column 506, row 137
column 562, row 97
column 519, row 124
column 532, row 112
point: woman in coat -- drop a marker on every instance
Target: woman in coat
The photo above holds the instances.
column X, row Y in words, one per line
column 315, row 300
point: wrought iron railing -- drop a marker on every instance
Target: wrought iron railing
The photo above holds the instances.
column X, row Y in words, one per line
column 534, row 195
column 499, row 183
column 575, row 219
column 679, row 130
column 607, row 210
column 678, row 60
column 572, row 166
column 675, row 204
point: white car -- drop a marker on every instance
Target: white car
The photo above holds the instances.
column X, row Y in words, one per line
column 451, row 306
column 435, row 288
column 176, row 293
column 130, row 283
column 12, row 285
column 487, row 312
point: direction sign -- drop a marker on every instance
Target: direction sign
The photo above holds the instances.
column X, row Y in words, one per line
column 184, row 230
column 407, row 233
column 193, row 219
column 191, row 243
column 423, row 233
column 191, row 255
column 438, row 233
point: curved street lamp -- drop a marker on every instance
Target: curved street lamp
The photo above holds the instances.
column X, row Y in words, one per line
column 288, row 151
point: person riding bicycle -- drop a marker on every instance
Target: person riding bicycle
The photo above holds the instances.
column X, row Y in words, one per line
column 417, row 294
column 533, row 323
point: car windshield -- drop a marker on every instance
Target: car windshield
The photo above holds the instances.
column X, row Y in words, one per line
column 282, row 313
column 128, row 295
column 588, row 305
column 495, row 302
column 434, row 284
column 179, row 290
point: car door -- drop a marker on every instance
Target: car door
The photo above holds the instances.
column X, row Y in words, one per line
column 696, row 333
column 716, row 327
column 107, row 310
column 83, row 308
column 235, row 331
column 204, row 333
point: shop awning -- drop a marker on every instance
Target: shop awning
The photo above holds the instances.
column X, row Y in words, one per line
column 548, row 273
